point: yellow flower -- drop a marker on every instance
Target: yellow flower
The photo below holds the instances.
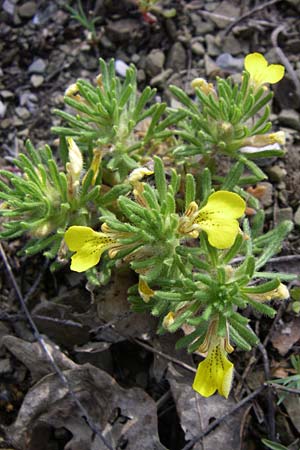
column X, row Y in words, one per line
column 262, row 140
column 260, row 72
column 217, row 218
column 204, row 86
column 88, row 246
column 168, row 320
column 145, row 290
column 71, row 90
column 280, row 293
column 215, row 373
column 75, row 165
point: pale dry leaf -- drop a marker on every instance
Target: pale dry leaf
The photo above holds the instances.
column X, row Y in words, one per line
column 34, row 358
column 125, row 416
column 113, row 306
column 196, row 413
column 286, row 336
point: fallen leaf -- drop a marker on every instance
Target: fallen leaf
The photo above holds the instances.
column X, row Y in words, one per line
column 113, row 306
column 196, row 413
column 34, row 358
column 292, row 405
column 286, row 336
column 126, row 417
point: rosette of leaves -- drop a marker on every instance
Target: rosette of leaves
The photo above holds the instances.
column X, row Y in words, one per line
column 41, row 200
column 147, row 227
column 113, row 116
column 222, row 120
column 213, row 287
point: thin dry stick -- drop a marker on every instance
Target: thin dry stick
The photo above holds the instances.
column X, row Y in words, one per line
column 37, row 282
column 283, row 58
column 279, row 387
column 21, row 317
column 271, row 409
column 43, row 346
column 164, row 355
column 248, row 14
column 272, row 260
column 217, row 422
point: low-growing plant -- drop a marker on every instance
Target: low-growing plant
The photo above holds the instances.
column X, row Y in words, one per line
column 187, row 233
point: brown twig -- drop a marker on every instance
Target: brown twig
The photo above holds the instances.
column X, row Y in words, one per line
column 272, row 260
column 164, row 355
column 217, row 422
column 279, row 387
column 248, row 14
column 283, row 58
column 271, row 409
column 6, row 317
column 49, row 356
column 36, row 282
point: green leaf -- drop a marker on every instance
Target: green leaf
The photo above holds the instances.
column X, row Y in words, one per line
column 273, row 445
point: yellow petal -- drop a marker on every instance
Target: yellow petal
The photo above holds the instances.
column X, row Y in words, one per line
column 221, row 233
column 259, row 70
column 223, row 204
column 144, row 290
column 273, row 73
column 255, row 63
column 88, row 245
column 215, row 373
column 84, row 260
column 76, row 236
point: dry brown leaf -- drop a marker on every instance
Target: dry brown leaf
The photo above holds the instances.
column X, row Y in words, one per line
column 122, row 415
column 34, row 358
column 113, row 306
column 286, row 336
column 196, row 413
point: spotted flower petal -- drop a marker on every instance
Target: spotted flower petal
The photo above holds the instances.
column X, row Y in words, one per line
column 88, row 246
column 215, row 373
column 260, row 72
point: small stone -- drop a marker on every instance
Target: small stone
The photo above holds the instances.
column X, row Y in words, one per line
column 198, row 48
column 267, row 196
column 141, row 76
column 6, row 95
column 282, row 214
column 38, row 66
column 123, row 30
column 212, row 45
column 87, row 62
column 8, row 7
column 276, row 173
column 121, row 67
column 225, row 13
column 297, row 216
column 27, row 10
column 36, row 80
column 210, row 65
column 294, row 3
column 230, row 63
column 290, row 118
column 177, row 57
column 202, row 27
column 135, row 58
column 155, row 62
column 6, row 123
column 106, row 43
column 22, row 112
column 3, row 107
column 231, row 45
column 161, row 78
column 5, row 366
